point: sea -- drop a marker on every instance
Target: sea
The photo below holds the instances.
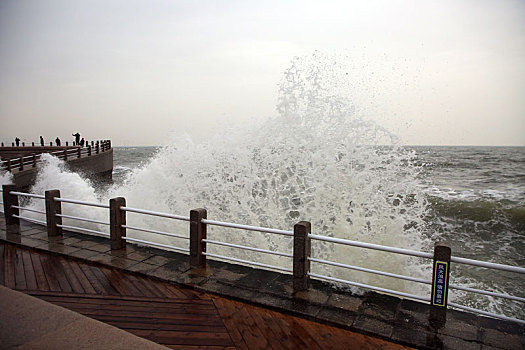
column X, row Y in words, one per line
column 322, row 159
column 475, row 198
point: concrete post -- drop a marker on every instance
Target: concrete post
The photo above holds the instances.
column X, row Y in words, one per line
column 301, row 253
column 117, row 218
column 65, row 154
column 9, row 165
column 10, row 200
column 89, row 150
column 52, row 208
column 21, row 166
column 440, row 281
column 197, row 234
column 34, row 160
column 78, row 152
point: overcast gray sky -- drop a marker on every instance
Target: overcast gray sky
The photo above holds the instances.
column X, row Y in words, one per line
column 134, row 71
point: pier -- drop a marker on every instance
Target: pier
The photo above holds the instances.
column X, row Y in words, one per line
column 94, row 159
column 309, row 305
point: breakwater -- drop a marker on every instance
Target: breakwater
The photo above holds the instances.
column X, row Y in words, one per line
column 23, row 162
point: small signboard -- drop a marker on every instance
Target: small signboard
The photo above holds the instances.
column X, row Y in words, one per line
column 439, row 285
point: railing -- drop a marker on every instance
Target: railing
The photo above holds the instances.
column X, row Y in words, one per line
column 31, row 161
column 301, row 258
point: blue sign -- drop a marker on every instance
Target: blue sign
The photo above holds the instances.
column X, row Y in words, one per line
column 439, row 285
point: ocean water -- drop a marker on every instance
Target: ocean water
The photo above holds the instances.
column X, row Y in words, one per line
column 475, row 201
column 321, row 159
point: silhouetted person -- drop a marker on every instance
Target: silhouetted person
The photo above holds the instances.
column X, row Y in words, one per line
column 82, row 142
column 17, row 141
column 57, row 141
column 77, row 138
column 41, row 141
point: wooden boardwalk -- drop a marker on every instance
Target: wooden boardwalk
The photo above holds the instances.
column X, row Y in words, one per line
column 166, row 314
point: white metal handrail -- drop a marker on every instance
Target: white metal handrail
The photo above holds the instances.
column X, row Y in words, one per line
column 155, row 231
column 484, row 292
column 486, row 313
column 82, row 219
column 362, row 285
column 156, row 213
column 372, row 246
column 247, row 227
column 248, row 262
column 30, row 195
column 84, row 229
column 73, row 201
column 29, row 209
column 487, row 265
column 248, row 248
column 377, row 272
column 155, row 244
column 30, row 219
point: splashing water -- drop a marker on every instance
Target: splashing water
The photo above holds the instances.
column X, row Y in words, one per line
column 319, row 160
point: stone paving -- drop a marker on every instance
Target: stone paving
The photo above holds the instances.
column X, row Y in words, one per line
column 383, row 316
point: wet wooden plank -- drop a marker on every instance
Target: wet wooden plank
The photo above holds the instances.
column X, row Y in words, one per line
column 92, row 279
column 226, row 312
column 181, row 293
column 40, row 276
column 2, row 264
column 82, row 278
column 75, row 284
column 55, row 274
column 9, row 267
column 118, row 281
column 103, row 280
column 20, row 278
column 185, row 338
column 152, row 291
column 29, row 270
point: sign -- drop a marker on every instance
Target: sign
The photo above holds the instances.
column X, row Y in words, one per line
column 439, row 285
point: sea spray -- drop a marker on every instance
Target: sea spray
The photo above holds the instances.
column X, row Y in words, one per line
column 53, row 174
column 319, row 160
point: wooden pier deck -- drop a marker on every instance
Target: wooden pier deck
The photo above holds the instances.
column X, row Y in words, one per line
column 165, row 313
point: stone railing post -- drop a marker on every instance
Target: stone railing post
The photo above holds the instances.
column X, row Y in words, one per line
column 10, row 200
column 65, row 154
column 21, row 165
column 53, row 208
column 78, row 152
column 9, row 165
column 34, row 160
column 89, row 150
column 197, row 234
column 440, row 281
column 301, row 253
column 117, row 218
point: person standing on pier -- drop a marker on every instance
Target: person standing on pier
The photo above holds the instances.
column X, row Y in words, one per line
column 57, row 140
column 82, row 142
column 77, row 138
column 41, row 141
column 17, row 141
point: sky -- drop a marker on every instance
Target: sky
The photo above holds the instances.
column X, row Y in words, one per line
column 448, row 72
